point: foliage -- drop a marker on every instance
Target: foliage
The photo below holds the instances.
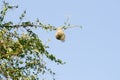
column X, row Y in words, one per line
column 22, row 53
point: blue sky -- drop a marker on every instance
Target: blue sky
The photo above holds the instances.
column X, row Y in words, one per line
column 92, row 53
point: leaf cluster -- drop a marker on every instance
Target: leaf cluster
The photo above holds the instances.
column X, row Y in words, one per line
column 22, row 53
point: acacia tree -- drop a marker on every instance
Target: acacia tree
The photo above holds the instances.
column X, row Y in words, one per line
column 22, row 53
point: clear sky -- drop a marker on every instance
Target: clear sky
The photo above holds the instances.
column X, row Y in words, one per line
column 92, row 53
